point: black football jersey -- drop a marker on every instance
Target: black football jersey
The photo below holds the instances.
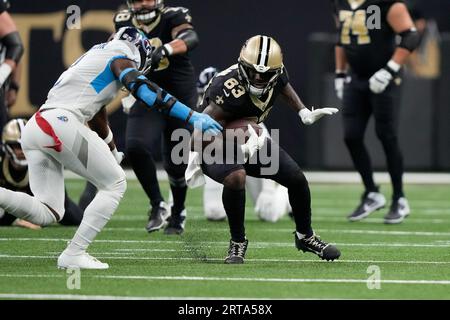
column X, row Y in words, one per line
column 176, row 73
column 227, row 92
column 364, row 33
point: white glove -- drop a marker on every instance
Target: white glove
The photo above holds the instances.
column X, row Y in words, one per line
column 383, row 77
column 309, row 117
column 339, row 82
column 254, row 143
column 194, row 174
column 127, row 103
column 119, row 156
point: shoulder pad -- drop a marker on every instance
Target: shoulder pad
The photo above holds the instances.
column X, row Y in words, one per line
column 122, row 19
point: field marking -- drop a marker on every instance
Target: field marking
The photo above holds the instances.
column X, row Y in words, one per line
column 52, row 257
column 245, row 279
column 45, row 296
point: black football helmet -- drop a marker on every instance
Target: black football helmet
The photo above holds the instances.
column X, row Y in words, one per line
column 4, row 5
column 146, row 13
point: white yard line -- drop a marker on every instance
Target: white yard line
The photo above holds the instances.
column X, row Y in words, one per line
column 247, row 279
column 40, row 296
column 220, row 259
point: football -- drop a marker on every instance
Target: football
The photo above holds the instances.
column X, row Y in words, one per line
column 239, row 128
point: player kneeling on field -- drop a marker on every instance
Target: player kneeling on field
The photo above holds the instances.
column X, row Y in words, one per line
column 248, row 90
column 56, row 137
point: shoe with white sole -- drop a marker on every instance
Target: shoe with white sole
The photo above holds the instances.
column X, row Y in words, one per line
column 80, row 261
column 399, row 210
column 370, row 202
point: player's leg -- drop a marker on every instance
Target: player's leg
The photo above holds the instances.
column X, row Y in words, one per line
column 386, row 113
column 86, row 154
column 355, row 114
column 271, row 199
column 232, row 176
column 88, row 194
column 288, row 174
column 143, row 135
column 172, row 142
column 45, row 178
column 73, row 213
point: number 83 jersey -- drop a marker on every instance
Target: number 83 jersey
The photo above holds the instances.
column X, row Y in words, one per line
column 228, row 93
column 365, row 34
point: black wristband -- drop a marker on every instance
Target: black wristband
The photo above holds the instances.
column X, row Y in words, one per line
column 340, row 75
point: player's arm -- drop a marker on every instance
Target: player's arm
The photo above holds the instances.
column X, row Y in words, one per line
column 401, row 22
column 153, row 96
column 99, row 124
column 308, row 116
column 14, row 85
column 340, row 58
column 10, row 39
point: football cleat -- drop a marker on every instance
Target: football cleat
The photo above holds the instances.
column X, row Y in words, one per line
column 176, row 223
column 317, row 246
column 158, row 217
column 370, row 202
column 79, row 261
column 399, row 210
column 236, row 252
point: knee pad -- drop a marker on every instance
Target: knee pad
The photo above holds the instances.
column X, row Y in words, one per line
column 235, row 180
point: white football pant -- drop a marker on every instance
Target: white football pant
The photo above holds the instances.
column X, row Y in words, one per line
column 83, row 152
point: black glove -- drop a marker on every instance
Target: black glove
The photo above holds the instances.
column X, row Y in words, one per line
column 157, row 55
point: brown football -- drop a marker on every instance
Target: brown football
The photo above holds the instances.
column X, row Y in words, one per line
column 240, row 127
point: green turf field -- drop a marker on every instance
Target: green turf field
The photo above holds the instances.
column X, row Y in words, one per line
column 413, row 258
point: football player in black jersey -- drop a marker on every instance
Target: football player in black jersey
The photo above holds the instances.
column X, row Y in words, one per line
column 368, row 75
column 14, row 176
column 248, row 90
column 173, row 35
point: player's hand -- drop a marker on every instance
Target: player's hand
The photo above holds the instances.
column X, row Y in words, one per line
column 205, row 123
column 310, row 116
column 383, row 77
column 157, row 55
column 380, row 80
column 254, row 143
column 119, row 156
column 339, row 83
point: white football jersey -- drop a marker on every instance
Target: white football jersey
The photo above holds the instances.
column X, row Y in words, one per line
column 89, row 84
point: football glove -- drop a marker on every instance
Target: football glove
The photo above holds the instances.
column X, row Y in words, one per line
column 383, row 77
column 309, row 117
column 339, row 82
column 204, row 122
column 254, row 143
column 159, row 54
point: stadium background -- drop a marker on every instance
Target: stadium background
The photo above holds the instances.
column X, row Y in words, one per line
column 305, row 31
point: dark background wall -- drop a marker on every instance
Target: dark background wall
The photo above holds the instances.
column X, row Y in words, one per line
column 222, row 26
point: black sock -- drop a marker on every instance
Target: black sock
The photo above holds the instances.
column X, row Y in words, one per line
column 179, row 197
column 300, row 200
column 234, row 204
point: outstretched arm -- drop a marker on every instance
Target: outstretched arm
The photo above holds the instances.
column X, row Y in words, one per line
column 153, row 96
column 308, row 117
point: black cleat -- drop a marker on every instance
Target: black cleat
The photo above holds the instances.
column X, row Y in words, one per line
column 370, row 202
column 176, row 223
column 236, row 252
column 399, row 210
column 158, row 217
column 313, row 244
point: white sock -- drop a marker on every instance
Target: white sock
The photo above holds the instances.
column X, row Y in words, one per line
column 24, row 206
column 96, row 215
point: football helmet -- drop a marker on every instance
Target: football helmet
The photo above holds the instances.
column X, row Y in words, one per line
column 11, row 139
column 136, row 38
column 260, row 64
column 204, row 78
column 145, row 13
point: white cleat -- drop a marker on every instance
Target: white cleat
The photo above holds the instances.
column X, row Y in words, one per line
column 80, row 261
column 370, row 202
column 399, row 210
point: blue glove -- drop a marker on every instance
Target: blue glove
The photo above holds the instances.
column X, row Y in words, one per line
column 202, row 121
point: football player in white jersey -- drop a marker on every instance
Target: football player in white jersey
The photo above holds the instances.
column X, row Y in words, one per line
column 56, row 137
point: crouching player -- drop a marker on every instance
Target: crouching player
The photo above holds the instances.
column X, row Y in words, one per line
column 248, row 90
column 56, row 138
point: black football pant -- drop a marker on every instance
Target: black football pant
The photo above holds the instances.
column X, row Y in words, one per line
column 288, row 174
column 358, row 106
column 145, row 129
